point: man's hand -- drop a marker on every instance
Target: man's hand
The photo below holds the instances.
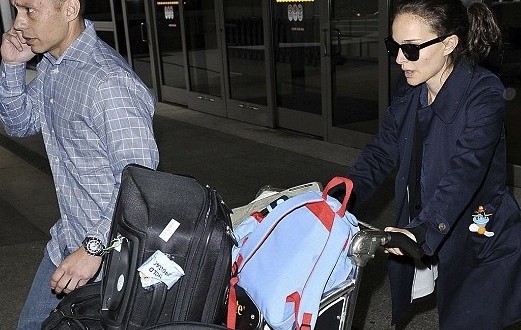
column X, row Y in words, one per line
column 398, row 251
column 75, row 271
column 14, row 49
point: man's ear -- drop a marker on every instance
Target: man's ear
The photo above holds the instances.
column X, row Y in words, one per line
column 450, row 44
column 72, row 9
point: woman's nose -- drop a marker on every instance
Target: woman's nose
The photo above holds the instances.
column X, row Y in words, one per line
column 400, row 58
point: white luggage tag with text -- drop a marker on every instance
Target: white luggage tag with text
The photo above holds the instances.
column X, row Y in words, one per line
column 160, row 268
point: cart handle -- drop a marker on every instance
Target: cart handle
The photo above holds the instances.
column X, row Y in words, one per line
column 404, row 243
column 364, row 244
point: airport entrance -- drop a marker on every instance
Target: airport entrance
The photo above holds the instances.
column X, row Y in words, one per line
column 316, row 67
column 310, row 66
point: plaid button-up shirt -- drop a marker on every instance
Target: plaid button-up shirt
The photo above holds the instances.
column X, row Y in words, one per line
column 95, row 115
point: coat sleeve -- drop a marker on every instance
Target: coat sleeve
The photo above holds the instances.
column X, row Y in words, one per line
column 469, row 165
column 376, row 161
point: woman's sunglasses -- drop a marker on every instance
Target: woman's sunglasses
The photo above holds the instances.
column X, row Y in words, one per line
column 410, row 51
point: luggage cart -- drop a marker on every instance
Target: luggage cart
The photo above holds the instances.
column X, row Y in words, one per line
column 338, row 304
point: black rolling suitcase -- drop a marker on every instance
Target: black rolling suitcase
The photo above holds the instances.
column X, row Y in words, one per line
column 158, row 211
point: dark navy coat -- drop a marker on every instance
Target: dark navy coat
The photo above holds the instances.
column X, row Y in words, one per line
column 464, row 167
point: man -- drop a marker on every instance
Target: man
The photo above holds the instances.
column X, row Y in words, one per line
column 95, row 116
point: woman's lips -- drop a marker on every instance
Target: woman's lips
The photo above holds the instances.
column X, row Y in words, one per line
column 408, row 73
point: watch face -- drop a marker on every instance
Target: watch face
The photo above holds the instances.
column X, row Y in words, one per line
column 93, row 246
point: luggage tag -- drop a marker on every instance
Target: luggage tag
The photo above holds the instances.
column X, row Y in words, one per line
column 169, row 230
column 160, row 268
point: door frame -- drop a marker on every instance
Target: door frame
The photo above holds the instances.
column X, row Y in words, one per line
column 185, row 96
column 253, row 113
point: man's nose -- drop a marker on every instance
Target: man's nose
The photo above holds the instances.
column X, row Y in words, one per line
column 20, row 22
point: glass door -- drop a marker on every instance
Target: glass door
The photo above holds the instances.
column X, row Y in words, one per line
column 204, row 60
column 246, row 67
column 172, row 60
column 358, row 69
column 138, row 42
column 354, row 63
column 299, row 46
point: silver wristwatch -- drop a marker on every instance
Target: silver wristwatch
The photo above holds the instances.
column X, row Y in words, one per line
column 94, row 246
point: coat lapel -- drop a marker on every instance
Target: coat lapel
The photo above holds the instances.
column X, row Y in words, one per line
column 450, row 98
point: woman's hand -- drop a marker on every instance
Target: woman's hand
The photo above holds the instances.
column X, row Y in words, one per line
column 398, row 251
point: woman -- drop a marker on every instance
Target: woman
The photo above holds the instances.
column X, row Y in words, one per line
column 444, row 132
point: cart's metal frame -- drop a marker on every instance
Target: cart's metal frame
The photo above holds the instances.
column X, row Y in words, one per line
column 361, row 249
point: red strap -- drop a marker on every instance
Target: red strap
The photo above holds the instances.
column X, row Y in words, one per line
column 231, row 318
column 238, row 263
column 346, row 244
column 349, row 188
column 232, row 304
column 257, row 216
column 306, row 321
column 295, row 298
column 323, row 212
column 235, row 268
column 306, row 317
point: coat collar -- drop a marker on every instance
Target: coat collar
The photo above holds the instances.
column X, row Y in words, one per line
column 451, row 96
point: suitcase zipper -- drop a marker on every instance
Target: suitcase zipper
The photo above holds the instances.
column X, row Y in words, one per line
column 206, row 235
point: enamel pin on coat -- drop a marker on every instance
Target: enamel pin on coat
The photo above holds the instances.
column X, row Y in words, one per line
column 480, row 220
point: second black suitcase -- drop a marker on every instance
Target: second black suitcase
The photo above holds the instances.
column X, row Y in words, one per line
column 78, row 310
column 148, row 205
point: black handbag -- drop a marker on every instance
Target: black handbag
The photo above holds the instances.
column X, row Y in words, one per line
column 78, row 310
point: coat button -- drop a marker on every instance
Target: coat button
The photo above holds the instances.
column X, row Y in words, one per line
column 442, row 227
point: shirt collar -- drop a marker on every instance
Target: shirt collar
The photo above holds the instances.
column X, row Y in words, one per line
column 80, row 49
